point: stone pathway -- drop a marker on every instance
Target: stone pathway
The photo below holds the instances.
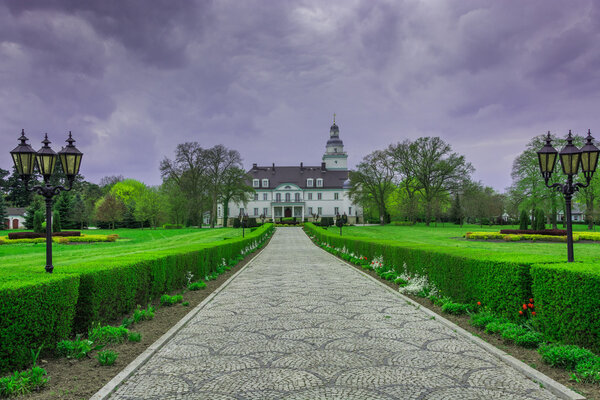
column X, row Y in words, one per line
column 299, row 324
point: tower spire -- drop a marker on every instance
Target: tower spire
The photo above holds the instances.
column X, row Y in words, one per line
column 334, row 118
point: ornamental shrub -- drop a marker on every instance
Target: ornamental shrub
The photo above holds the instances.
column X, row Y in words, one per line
column 56, row 221
column 523, row 220
column 38, row 221
column 565, row 356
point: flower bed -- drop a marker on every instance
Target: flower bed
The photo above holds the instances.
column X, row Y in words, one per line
column 594, row 236
column 63, row 239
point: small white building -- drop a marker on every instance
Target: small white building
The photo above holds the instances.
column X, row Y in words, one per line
column 302, row 191
column 16, row 218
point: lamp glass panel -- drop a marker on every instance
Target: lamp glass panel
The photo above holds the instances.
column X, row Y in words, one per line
column 575, row 163
column 46, row 163
column 77, row 163
column 565, row 160
column 589, row 161
column 28, row 161
column 18, row 164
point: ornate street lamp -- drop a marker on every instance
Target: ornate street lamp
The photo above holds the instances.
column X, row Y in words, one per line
column 571, row 159
column 243, row 218
column 25, row 158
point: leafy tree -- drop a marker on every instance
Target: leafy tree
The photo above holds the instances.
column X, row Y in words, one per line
column 540, row 220
column 149, row 207
column 437, row 170
column 234, row 187
column 3, row 181
column 3, row 214
column 372, row 181
column 176, row 202
column 524, row 220
column 107, row 182
column 17, row 194
column 110, row 209
column 402, row 156
column 56, row 226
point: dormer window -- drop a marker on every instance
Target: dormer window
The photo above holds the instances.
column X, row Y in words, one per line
column 319, row 182
column 255, row 183
column 309, row 182
column 265, row 183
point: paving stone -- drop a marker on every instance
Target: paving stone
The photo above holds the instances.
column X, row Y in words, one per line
column 299, row 324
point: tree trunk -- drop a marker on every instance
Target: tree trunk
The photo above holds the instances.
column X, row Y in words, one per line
column 590, row 214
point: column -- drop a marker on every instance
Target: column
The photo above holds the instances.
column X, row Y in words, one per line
column 273, row 213
column 302, row 213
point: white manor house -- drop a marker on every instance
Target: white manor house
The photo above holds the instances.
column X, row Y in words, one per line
column 302, row 191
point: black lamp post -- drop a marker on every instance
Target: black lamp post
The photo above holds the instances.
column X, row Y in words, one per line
column 571, row 158
column 243, row 217
column 25, row 158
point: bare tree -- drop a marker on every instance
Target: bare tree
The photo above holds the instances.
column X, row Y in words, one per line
column 219, row 159
column 188, row 170
column 234, row 187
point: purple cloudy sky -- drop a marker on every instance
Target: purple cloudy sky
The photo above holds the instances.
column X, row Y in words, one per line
column 132, row 79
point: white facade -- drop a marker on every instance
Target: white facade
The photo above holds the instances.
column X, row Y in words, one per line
column 301, row 191
column 15, row 219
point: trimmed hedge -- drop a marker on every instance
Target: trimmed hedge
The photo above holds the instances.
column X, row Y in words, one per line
column 551, row 232
column 568, row 302
column 35, row 235
column 35, row 312
column 467, row 275
column 39, row 308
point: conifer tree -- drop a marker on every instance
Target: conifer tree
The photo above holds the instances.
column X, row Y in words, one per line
column 3, row 214
column 524, row 220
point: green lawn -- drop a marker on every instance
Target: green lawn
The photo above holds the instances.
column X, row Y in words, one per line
column 450, row 235
column 19, row 259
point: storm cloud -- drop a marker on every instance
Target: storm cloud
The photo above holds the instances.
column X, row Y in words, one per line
column 133, row 79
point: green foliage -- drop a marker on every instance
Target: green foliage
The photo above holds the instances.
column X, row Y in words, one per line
column 185, row 303
column 197, row 285
column 135, row 337
column 56, row 226
column 143, row 315
column 540, row 220
column 166, row 300
column 23, row 382
column 565, row 356
column 568, row 303
column 38, row 221
column 589, row 371
column 3, row 214
column 482, row 318
column 523, row 220
column 172, row 226
column 107, row 334
column 457, row 308
column 76, row 349
column 529, row 339
column 107, row 357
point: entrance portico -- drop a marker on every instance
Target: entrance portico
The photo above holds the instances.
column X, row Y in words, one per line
column 288, row 210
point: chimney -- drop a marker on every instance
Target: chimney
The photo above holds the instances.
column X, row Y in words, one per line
column 323, row 169
column 254, row 166
column 301, row 166
column 273, row 167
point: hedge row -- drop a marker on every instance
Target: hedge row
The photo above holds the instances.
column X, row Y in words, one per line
column 567, row 296
column 467, row 275
column 41, row 309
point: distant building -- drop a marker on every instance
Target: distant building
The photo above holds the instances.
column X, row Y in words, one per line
column 16, row 218
column 577, row 215
column 301, row 191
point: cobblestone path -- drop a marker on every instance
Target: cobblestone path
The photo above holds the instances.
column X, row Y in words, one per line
column 299, row 324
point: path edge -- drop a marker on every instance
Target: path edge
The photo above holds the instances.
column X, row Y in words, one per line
column 548, row 383
column 140, row 360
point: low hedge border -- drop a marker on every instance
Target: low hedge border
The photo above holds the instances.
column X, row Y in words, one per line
column 567, row 295
column 62, row 239
column 514, row 237
column 41, row 309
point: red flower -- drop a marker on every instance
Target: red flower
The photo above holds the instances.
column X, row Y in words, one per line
column 530, row 305
column 533, row 313
column 531, row 300
column 478, row 303
column 520, row 312
column 524, row 306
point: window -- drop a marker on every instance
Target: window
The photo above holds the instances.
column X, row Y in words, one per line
column 319, row 196
column 336, row 196
column 319, row 182
column 310, row 196
column 265, row 196
column 278, row 197
column 255, row 196
column 255, row 210
column 265, row 212
column 297, row 197
column 255, row 182
column 288, row 197
column 349, row 210
column 265, row 183
column 320, row 210
column 309, row 182
column 336, row 210
column 309, row 210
